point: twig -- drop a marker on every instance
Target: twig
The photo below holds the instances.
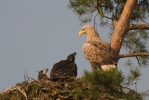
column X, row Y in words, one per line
column 136, row 86
column 40, row 93
column 107, row 17
column 144, row 92
column 7, row 90
column 18, row 88
column 129, row 85
column 36, row 95
column 22, row 91
column 25, row 75
column 94, row 19
column 138, row 61
column 128, row 88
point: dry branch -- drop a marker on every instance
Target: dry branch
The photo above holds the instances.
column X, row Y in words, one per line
column 43, row 89
column 15, row 88
column 22, row 91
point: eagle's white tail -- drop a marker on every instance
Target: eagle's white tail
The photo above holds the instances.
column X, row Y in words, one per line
column 107, row 67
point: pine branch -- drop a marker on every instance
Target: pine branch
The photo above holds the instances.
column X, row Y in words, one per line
column 138, row 26
column 134, row 54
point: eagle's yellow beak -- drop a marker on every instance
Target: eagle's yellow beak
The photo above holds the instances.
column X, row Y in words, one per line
column 81, row 32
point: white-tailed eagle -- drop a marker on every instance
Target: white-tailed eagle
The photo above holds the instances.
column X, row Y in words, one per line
column 42, row 74
column 64, row 69
column 96, row 51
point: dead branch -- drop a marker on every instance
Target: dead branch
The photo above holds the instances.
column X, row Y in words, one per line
column 138, row 26
column 7, row 90
column 144, row 93
column 95, row 19
column 127, row 89
column 16, row 88
column 136, row 87
column 134, row 54
column 22, row 91
column 107, row 17
column 41, row 92
column 26, row 77
column 138, row 61
column 129, row 85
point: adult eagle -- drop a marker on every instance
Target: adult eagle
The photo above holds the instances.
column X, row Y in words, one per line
column 96, row 51
column 64, row 69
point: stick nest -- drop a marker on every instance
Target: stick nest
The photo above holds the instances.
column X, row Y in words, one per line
column 41, row 90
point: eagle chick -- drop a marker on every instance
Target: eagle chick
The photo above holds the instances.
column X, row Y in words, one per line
column 42, row 74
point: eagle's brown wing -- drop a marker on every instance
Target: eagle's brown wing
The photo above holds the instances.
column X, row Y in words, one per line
column 97, row 53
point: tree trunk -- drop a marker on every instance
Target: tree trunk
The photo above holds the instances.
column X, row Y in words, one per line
column 121, row 28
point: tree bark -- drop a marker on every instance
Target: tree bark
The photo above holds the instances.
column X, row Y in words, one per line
column 138, row 26
column 121, row 28
column 134, row 54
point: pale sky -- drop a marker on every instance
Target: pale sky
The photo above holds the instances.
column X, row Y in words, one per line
column 35, row 34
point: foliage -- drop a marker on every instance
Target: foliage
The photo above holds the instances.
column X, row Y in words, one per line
column 111, row 10
column 136, row 41
column 107, row 9
column 104, row 85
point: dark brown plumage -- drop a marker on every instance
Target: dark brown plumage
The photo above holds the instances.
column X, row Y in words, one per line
column 64, row 69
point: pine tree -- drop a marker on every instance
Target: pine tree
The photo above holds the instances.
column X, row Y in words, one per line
column 105, row 85
column 128, row 19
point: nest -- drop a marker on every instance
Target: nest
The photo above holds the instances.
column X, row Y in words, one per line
column 96, row 85
column 44, row 89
